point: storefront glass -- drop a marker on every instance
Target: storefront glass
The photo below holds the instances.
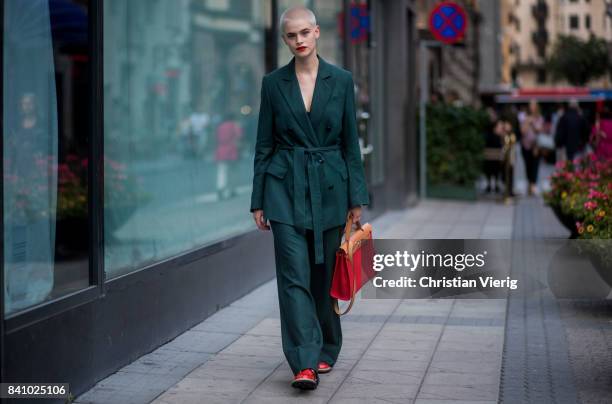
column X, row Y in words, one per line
column 181, row 98
column 366, row 74
column 46, row 104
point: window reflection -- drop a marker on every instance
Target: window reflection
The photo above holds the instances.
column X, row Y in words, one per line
column 181, row 93
column 46, row 125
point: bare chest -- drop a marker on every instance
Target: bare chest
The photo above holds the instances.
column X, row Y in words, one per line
column 307, row 87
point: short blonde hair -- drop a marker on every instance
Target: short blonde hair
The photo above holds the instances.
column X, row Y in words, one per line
column 309, row 15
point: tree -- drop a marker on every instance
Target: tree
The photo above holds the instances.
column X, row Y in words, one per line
column 578, row 61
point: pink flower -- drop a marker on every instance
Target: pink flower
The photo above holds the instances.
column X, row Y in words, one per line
column 595, row 194
column 590, row 205
column 561, row 164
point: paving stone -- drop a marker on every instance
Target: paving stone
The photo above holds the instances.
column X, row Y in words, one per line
column 477, row 392
column 268, row 326
column 467, row 356
column 305, row 397
column 165, row 361
column 355, row 400
column 465, row 378
column 401, row 344
column 201, row 341
column 385, row 354
column 480, row 345
column 427, row 401
column 245, row 361
column 256, row 345
column 231, row 319
column 359, row 388
column 473, row 368
column 387, row 376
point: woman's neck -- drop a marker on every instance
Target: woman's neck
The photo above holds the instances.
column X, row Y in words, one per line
column 309, row 66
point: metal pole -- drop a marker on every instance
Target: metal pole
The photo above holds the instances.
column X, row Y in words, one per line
column 346, row 44
column 423, row 83
column 2, row 268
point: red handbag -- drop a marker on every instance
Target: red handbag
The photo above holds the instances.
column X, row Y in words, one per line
column 353, row 268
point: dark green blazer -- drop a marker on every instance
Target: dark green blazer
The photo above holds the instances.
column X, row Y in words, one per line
column 308, row 170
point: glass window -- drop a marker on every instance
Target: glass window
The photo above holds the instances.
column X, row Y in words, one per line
column 181, row 98
column 363, row 73
column 587, row 21
column 574, row 22
column 46, row 104
column 541, row 76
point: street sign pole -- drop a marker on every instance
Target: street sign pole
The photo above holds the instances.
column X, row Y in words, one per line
column 422, row 116
column 447, row 24
column 424, row 90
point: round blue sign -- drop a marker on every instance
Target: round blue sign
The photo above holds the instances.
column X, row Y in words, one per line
column 448, row 22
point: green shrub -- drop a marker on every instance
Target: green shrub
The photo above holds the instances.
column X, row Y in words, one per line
column 455, row 144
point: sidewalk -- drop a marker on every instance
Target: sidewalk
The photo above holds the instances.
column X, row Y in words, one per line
column 423, row 351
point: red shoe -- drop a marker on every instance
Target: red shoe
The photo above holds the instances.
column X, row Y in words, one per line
column 306, row 379
column 324, row 367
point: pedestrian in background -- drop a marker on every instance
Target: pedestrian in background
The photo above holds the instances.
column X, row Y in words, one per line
column 531, row 127
column 308, row 177
column 493, row 150
column 572, row 132
column 601, row 135
column 229, row 134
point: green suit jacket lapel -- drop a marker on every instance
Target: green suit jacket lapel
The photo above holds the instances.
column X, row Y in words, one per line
column 290, row 89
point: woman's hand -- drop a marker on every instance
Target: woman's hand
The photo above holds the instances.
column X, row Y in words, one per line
column 356, row 213
column 260, row 221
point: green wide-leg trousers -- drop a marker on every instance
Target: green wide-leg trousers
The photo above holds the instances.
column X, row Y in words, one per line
column 310, row 329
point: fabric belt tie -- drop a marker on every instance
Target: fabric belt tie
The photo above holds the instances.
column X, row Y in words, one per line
column 312, row 157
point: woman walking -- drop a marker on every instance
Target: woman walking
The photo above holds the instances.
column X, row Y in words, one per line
column 531, row 127
column 308, row 176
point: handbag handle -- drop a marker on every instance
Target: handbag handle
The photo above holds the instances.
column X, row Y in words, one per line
column 353, row 288
column 347, row 230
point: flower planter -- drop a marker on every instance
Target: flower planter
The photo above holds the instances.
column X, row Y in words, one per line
column 603, row 267
column 566, row 220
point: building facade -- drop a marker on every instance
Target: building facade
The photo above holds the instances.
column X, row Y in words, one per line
column 123, row 226
column 531, row 27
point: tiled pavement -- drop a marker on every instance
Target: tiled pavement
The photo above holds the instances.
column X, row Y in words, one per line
column 556, row 350
column 398, row 351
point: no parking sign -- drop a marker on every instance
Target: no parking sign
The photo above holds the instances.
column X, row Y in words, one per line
column 448, row 22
